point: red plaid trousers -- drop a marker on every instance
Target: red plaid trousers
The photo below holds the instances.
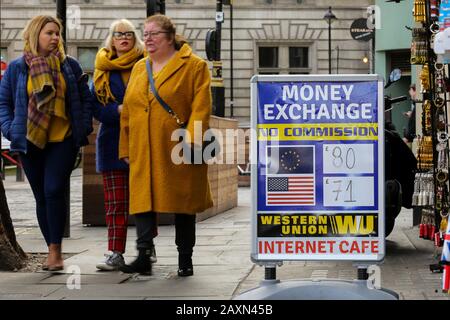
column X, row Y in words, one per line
column 115, row 187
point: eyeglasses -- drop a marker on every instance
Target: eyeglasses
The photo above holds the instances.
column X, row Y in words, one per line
column 123, row 35
column 153, row 34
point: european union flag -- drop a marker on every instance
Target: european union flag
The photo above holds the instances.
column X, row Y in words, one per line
column 290, row 160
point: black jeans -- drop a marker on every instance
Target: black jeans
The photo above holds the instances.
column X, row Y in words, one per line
column 184, row 234
column 48, row 172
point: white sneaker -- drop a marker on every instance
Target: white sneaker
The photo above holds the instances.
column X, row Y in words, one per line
column 112, row 263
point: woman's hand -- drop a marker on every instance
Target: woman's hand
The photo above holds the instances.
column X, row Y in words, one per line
column 127, row 160
column 119, row 108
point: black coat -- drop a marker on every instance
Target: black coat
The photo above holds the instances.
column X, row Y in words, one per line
column 400, row 164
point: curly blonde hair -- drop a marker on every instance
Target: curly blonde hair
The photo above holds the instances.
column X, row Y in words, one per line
column 138, row 43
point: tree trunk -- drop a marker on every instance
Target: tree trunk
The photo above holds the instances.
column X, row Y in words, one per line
column 12, row 257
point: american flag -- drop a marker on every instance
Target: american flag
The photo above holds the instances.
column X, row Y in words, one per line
column 290, row 176
column 291, row 190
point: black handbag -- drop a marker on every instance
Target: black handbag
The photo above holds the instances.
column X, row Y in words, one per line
column 214, row 141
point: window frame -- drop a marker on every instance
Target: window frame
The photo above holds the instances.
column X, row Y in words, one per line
column 73, row 51
column 283, row 57
column 8, row 57
column 78, row 56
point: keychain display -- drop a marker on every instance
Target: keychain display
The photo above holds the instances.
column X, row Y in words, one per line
column 427, row 128
column 442, row 161
column 419, row 11
column 423, row 190
column 440, row 86
column 427, row 224
column 434, row 10
column 439, row 242
column 419, row 52
column 431, row 185
column 425, row 79
column 425, row 153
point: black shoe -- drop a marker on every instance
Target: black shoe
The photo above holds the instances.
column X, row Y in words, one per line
column 141, row 265
column 185, row 268
column 185, row 272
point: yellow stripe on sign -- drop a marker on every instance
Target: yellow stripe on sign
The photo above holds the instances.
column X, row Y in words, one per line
column 333, row 222
column 318, row 131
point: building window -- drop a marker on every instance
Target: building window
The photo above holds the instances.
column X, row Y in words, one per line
column 4, row 54
column 268, row 57
column 298, row 57
column 285, row 59
column 86, row 57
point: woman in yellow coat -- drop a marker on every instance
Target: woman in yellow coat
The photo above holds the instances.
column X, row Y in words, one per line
column 158, row 183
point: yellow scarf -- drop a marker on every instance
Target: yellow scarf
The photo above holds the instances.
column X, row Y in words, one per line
column 104, row 64
column 48, row 96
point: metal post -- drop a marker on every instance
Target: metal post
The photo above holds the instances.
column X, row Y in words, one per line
column 19, row 173
column 150, row 7
column 373, row 51
column 337, row 58
column 362, row 273
column 329, row 18
column 217, row 86
column 329, row 48
column 61, row 9
column 270, row 273
column 231, row 61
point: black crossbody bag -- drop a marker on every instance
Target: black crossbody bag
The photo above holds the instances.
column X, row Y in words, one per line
column 214, row 141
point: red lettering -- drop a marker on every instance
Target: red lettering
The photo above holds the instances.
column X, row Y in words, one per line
column 341, row 246
column 354, row 247
column 268, row 247
column 322, row 248
column 318, row 247
column 311, row 247
column 331, row 244
column 280, row 246
column 365, row 245
column 299, row 247
column 374, row 246
column 288, row 248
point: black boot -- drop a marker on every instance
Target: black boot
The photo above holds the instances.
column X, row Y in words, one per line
column 141, row 265
column 185, row 268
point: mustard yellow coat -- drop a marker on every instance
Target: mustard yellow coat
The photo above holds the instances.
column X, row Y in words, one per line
column 156, row 183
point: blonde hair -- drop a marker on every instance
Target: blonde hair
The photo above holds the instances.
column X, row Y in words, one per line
column 167, row 25
column 33, row 29
column 138, row 43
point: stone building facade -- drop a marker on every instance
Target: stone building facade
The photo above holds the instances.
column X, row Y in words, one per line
column 270, row 36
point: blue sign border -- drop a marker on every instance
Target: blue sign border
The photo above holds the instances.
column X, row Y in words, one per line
column 258, row 179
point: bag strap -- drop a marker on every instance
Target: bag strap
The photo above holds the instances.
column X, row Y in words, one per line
column 157, row 96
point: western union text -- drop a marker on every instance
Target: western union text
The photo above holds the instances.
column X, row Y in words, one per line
column 310, row 225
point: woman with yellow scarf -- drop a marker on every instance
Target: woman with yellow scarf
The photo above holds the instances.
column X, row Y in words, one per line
column 113, row 66
column 46, row 113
